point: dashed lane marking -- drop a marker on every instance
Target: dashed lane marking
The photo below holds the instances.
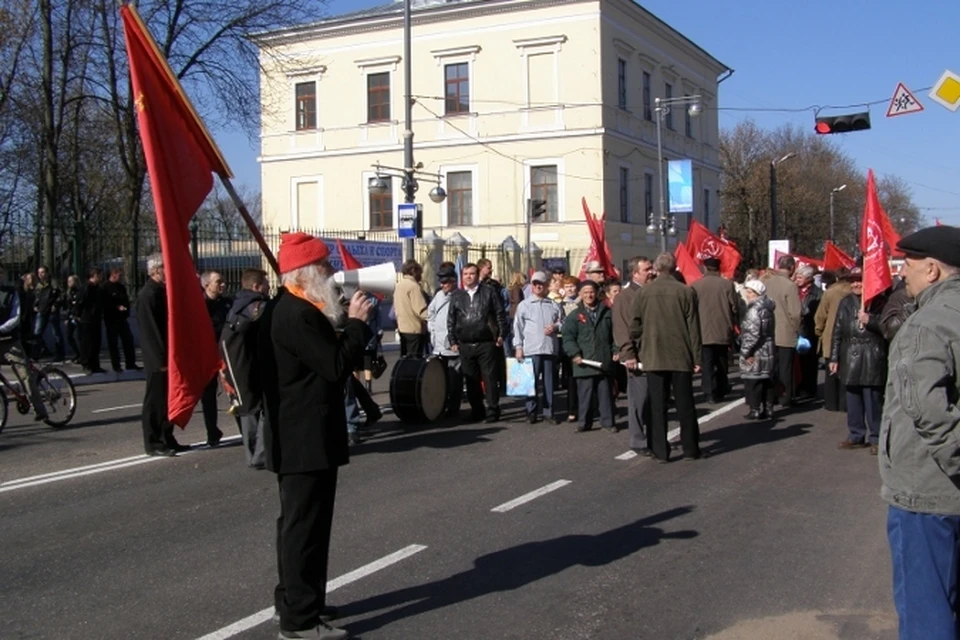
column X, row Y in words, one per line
column 527, row 497
column 674, row 434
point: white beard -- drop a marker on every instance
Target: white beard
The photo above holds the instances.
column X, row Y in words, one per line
column 319, row 289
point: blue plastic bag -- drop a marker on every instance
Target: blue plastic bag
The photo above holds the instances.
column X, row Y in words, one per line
column 803, row 345
column 521, row 382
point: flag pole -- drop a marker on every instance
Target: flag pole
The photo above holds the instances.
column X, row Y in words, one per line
column 254, row 230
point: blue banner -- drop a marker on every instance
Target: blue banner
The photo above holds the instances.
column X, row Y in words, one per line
column 367, row 252
column 680, row 182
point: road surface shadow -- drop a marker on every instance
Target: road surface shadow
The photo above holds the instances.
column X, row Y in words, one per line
column 515, row 568
column 748, row 434
column 394, row 442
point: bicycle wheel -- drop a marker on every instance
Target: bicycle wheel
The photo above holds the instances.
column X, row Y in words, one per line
column 58, row 396
column 3, row 409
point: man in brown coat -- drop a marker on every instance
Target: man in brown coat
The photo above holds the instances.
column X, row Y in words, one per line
column 641, row 272
column 782, row 290
column 666, row 325
column 834, row 395
column 719, row 314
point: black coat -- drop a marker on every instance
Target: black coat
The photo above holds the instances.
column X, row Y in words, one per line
column 861, row 352
column 304, row 367
column 218, row 309
column 90, row 303
column 152, row 320
column 481, row 319
column 898, row 308
column 114, row 297
column 47, row 297
column 808, row 313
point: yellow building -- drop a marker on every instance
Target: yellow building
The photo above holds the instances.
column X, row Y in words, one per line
column 514, row 99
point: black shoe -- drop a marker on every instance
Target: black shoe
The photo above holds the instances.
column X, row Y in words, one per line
column 176, row 446
column 214, row 438
column 754, row 414
column 117, row 370
column 531, row 418
column 354, row 439
column 642, row 451
column 553, row 420
column 696, row 456
column 162, row 453
column 493, row 417
column 373, row 418
column 581, row 429
column 475, row 416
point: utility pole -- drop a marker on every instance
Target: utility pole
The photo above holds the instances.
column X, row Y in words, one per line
column 409, row 181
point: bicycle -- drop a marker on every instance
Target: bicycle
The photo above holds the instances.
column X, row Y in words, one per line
column 53, row 386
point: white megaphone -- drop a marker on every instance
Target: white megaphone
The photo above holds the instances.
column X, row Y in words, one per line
column 380, row 279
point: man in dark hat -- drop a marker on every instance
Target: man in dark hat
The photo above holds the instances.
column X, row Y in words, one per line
column 719, row 313
column 920, row 438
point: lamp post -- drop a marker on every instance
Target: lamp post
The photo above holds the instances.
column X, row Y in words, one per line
column 834, row 192
column 665, row 225
column 773, row 192
column 662, row 108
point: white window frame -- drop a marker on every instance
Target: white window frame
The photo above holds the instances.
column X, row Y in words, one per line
column 394, row 183
column 296, row 216
column 315, row 75
column 528, row 166
column 474, row 170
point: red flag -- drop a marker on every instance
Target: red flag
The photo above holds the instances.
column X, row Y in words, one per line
column 599, row 249
column 180, row 158
column 349, row 262
column 873, row 245
column 834, row 258
column 800, row 260
column 686, row 264
column 702, row 244
column 937, row 220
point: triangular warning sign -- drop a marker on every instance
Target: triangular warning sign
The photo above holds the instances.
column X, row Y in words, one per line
column 903, row 102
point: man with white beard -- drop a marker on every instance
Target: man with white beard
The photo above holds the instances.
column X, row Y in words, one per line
column 305, row 365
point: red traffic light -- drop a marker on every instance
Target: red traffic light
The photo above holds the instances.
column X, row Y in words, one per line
column 842, row 124
column 823, row 127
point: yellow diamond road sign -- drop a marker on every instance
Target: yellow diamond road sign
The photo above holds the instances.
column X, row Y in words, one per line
column 947, row 90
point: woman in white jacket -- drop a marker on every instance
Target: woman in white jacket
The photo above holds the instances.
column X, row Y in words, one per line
column 437, row 326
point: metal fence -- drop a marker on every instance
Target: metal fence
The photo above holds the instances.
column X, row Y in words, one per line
column 230, row 254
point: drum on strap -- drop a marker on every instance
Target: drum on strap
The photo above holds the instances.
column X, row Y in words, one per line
column 418, row 389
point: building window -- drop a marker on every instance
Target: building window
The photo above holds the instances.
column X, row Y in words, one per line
column 668, row 94
column 647, row 101
column 624, row 194
column 378, row 97
column 459, row 198
column 706, row 208
column 648, row 197
column 381, row 208
column 457, row 82
column 687, row 122
column 622, row 83
column 306, row 93
column 543, row 186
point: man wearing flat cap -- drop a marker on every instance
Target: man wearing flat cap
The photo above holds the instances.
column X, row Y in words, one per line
column 305, row 365
column 920, row 439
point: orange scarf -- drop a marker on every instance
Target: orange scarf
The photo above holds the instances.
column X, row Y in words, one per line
column 300, row 293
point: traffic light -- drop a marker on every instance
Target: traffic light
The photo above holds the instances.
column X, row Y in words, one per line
column 536, row 208
column 843, row 124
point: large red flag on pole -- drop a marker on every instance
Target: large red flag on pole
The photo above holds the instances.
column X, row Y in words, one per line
column 834, row 258
column 873, row 245
column 180, row 156
column 686, row 264
column 346, row 258
column 599, row 249
column 702, row 244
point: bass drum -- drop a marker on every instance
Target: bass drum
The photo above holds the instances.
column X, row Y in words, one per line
column 418, row 389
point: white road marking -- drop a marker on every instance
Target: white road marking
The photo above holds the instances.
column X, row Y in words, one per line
column 673, row 435
column 262, row 616
column 79, row 472
column 533, row 495
column 120, row 408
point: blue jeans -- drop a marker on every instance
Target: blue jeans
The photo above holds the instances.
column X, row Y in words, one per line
column 864, row 408
column 925, row 550
column 352, row 407
column 543, row 367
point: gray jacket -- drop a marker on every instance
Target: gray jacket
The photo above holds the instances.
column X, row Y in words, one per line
column 757, row 331
column 919, row 435
column 533, row 316
column 437, row 323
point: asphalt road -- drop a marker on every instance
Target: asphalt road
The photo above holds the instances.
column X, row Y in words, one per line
column 776, row 535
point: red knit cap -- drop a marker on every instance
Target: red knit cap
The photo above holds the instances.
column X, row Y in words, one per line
column 300, row 249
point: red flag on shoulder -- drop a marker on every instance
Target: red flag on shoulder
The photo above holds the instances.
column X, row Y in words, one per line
column 599, row 250
column 181, row 157
column 873, row 245
column 834, row 258
column 688, row 267
column 702, row 244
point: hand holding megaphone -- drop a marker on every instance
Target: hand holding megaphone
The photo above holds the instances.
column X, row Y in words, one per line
column 380, row 279
column 360, row 306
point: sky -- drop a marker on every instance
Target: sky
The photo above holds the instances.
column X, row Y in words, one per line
column 791, row 55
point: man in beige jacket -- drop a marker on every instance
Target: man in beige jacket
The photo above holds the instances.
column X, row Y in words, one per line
column 834, row 396
column 410, row 306
column 782, row 290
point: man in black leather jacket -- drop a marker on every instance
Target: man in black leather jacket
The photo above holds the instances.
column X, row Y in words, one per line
column 476, row 325
column 897, row 309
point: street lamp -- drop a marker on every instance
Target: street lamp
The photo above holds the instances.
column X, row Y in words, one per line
column 834, row 192
column 773, row 192
column 665, row 225
column 662, row 108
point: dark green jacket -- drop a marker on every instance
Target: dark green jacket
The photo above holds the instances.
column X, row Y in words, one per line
column 666, row 324
column 591, row 341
